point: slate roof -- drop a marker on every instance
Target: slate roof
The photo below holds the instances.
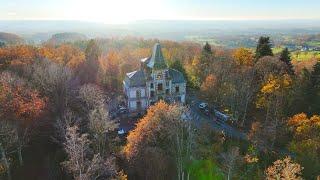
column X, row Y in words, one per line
column 136, row 79
column 157, row 61
column 176, row 76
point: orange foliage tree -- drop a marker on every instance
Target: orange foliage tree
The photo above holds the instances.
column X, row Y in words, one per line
column 208, row 88
column 17, row 100
column 159, row 136
column 64, row 54
column 17, row 55
column 306, row 142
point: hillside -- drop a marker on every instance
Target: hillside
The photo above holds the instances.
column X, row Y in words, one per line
column 9, row 38
column 66, row 37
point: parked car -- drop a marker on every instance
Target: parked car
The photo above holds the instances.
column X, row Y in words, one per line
column 221, row 116
column 203, row 106
column 122, row 110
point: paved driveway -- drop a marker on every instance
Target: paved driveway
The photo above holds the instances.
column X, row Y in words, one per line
column 200, row 118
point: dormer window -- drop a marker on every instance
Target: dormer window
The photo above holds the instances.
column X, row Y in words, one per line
column 159, row 76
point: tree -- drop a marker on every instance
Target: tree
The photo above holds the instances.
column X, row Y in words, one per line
column 231, row 159
column 100, row 124
column 90, row 68
column 315, row 89
column 267, row 66
column 92, row 97
column 243, row 56
column 8, row 143
column 201, row 65
column 161, row 140
column 79, row 164
column 306, row 142
column 263, row 48
column 65, row 54
column 54, row 81
column 207, row 88
column 177, row 65
column 285, row 57
column 284, row 169
column 2, row 44
column 207, row 48
column 110, row 71
column 21, row 106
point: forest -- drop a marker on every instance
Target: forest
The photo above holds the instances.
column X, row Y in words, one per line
column 56, row 101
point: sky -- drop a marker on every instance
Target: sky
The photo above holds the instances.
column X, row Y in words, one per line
column 124, row 11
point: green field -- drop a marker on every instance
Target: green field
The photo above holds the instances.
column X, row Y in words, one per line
column 302, row 56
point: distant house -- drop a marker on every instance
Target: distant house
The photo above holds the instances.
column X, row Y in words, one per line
column 154, row 81
column 305, row 48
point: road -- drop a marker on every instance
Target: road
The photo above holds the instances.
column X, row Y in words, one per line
column 200, row 118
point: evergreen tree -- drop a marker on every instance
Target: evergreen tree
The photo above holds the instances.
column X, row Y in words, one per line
column 285, row 57
column 315, row 91
column 207, row 48
column 2, row 44
column 90, row 69
column 206, row 60
column 263, row 48
column 177, row 65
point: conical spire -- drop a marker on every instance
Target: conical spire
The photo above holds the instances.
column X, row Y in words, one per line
column 157, row 61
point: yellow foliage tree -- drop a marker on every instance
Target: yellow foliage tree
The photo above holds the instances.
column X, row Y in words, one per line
column 306, row 142
column 273, row 88
column 243, row 56
column 207, row 88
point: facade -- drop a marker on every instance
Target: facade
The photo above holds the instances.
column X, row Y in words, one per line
column 154, row 81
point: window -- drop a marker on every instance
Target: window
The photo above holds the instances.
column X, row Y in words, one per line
column 160, row 87
column 151, row 85
column 159, row 76
column 166, row 74
column 167, row 83
column 138, row 93
column 139, row 105
column 152, row 94
column 167, row 91
column 177, row 89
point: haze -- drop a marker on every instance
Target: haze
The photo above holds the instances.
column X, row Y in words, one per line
column 124, row 11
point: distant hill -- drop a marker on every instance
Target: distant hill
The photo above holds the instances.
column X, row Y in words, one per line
column 10, row 39
column 66, row 37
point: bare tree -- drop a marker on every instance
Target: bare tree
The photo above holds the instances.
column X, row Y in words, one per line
column 100, row 124
column 54, row 81
column 230, row 159
column 8, row 144
column 92, row 96
column 79, row 164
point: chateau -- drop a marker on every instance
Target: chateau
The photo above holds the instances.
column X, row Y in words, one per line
column 154, row 81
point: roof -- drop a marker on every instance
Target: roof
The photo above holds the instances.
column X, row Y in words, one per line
column 136, row 79
column 177, row 76
column 145, row 60
column 157, row 61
